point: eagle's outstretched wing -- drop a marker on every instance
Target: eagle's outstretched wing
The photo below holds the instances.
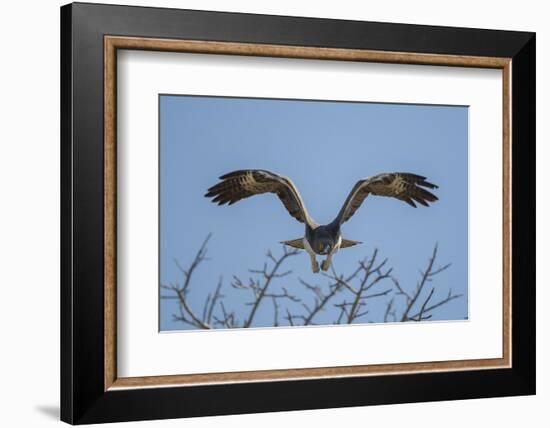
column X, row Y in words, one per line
column 404, row 186
column 238, row 185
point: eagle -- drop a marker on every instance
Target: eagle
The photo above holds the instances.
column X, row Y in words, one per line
column 324, row 240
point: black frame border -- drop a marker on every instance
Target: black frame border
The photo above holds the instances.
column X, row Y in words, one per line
column 83, row 399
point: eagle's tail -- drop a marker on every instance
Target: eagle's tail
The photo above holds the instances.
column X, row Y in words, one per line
column 295, row 243
column 349, row 243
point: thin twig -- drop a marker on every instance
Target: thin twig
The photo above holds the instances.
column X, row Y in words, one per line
column 426, row 276
column 269, row 276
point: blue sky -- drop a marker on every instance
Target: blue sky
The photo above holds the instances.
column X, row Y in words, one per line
column 324, row 147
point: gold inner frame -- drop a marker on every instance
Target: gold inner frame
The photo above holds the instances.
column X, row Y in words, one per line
column 112, row 43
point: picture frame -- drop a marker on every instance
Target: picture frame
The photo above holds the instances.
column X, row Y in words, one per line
column 91, row 36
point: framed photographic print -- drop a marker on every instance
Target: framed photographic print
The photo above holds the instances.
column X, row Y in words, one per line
column 320, row 213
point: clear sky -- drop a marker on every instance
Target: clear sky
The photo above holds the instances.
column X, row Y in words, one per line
column 324, row 147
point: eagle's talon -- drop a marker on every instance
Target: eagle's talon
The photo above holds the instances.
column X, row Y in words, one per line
column 315, row 267
column 325, row 265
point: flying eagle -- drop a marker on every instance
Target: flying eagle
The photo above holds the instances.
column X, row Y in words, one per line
column 320, row 239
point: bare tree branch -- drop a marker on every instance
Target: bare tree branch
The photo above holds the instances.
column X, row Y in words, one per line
column 372, row 274
column 187, row 315
column 389, row 311
column 213, row 301
column 355, row 291
column 423, row 307
column 447, row 299
column 426, row 276
column 268, row 275
column 321, row 299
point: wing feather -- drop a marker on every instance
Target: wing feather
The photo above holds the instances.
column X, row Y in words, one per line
column 238, row 185
column 407, row 187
